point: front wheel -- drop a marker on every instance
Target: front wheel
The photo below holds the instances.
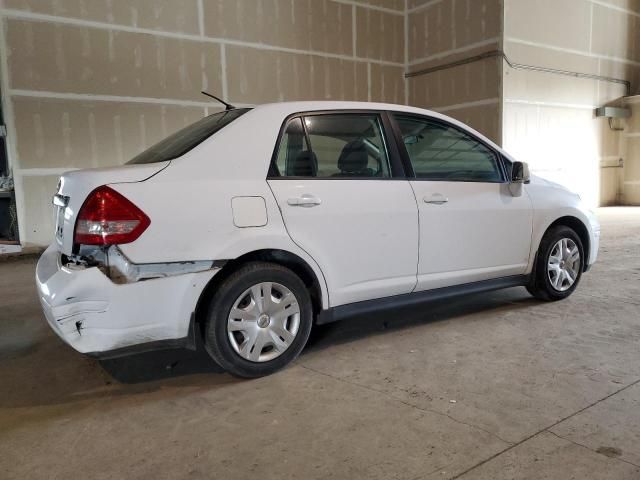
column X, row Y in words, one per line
column 559, row 264
column 259, row 320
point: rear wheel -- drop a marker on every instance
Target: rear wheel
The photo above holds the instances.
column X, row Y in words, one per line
column 559, row 264
column 259, row 320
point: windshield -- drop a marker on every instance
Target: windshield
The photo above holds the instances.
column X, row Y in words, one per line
column 184, row 140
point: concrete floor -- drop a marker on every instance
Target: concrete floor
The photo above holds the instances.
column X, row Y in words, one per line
column 493, row 386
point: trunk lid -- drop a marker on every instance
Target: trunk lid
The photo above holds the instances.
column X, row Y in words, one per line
column 74, row 187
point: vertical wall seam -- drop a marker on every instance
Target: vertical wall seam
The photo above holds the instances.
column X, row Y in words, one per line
column 406, row 51
column 223, row 72
column 368, row 82
column 591, row 28
column 453, row 24
column 354, row 28
column 598, row 83
column 201, row 18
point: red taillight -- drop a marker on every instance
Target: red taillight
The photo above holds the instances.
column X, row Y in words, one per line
column 108, row 218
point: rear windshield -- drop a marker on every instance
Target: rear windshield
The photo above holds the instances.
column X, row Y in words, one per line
column 184, row 140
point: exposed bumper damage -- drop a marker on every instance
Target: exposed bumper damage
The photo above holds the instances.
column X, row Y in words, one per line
column 109, row 303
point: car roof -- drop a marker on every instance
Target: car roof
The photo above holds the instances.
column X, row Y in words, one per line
column 316, row 105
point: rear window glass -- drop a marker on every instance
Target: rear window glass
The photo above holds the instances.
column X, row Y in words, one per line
column 184, row 140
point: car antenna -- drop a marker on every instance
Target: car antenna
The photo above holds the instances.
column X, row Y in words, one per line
column 228, row 106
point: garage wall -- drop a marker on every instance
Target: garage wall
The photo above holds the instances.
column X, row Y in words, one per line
column 445, row 31
column 90, row 83
column 631, row 140
column 548, row 119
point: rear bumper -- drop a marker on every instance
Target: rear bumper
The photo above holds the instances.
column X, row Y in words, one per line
column 94, row 315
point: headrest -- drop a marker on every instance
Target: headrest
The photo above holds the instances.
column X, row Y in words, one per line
column 354, row 157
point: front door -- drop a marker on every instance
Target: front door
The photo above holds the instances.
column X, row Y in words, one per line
column 471, row 227
column 334, row 183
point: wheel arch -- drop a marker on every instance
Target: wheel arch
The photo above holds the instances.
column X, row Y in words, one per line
column 295, row 263
column 577, row 226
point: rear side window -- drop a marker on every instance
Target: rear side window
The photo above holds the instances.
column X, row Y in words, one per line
column 189, row 137
column 294, row 158
column 333, row 145
column 441, row 152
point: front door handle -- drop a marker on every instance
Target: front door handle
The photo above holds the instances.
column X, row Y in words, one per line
column 305, row 200
column 436, row 199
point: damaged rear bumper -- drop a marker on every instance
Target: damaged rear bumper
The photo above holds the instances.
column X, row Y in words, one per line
column 96, row 315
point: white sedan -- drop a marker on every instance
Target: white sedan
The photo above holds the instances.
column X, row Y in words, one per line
column 251, row 225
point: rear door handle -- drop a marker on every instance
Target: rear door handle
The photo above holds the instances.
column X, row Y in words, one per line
column 305, row 200
column 436, row 199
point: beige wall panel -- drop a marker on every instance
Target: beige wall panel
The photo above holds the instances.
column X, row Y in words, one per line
column 485, row 119
column 318, row 25
column 609, row 186
column 258, row 76
column 631, row 194
column 466, row 83
column 631, row 171
column 608, row 93
column 475, row 21
column 560, row 144
column 608, row 141
column 387, row 84
column 166, row 15
column 380, row 35
column 633, row 5
column 450, row 24
column 76, row 134
column 564, row 23
column 615, row 33
column 430, row 30
column 391, row 4
column 416, row 3
column 632, row 124
column 38, row 211
column 65, row 58
column 624, row 70
column 521, row 134
column 632, row 163
column 550, row 88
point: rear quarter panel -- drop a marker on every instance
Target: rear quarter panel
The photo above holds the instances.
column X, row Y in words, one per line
column 190, row 202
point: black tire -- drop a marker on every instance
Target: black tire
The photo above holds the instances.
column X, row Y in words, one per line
column 540, row 285
column 217, row 340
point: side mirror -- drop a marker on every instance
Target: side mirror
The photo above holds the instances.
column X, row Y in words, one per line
column 520, row 173
column 411, row 139
column 519, row 176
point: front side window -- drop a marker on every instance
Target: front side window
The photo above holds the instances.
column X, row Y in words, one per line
column 333, row 145
column 441, row 152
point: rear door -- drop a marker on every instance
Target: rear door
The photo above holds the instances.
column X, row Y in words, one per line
column 341, row 189
column 472, row 228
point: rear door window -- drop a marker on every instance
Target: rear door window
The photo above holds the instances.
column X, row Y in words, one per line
column 349, row 145
column 189, row 137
